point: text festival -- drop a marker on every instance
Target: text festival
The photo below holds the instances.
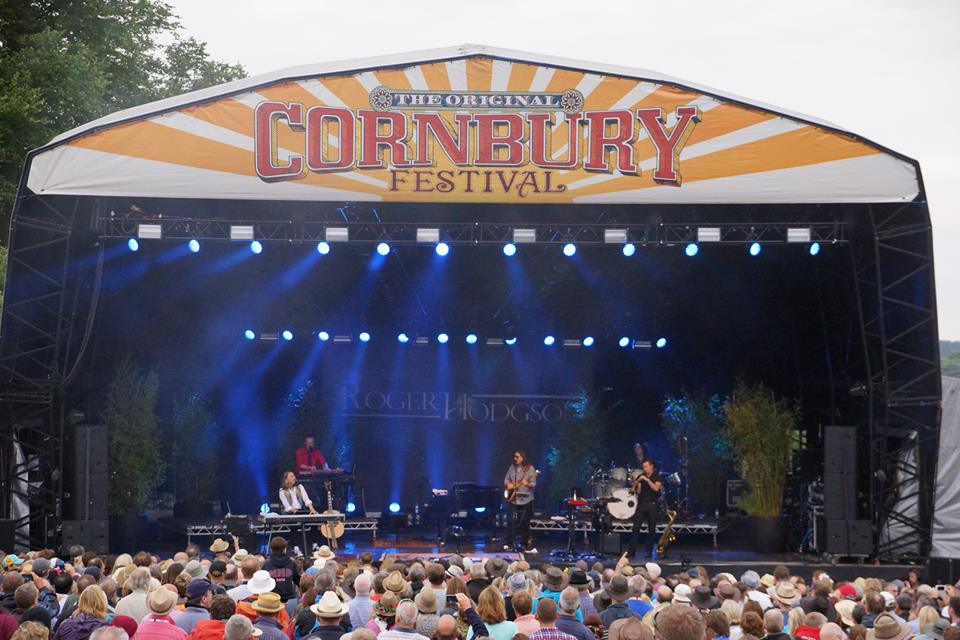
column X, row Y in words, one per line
column 492, row 151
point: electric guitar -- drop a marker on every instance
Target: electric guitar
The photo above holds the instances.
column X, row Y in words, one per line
column 510, row 494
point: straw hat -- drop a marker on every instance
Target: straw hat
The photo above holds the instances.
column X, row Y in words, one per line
column 386, row 606
column 786, row 593
column 845, row 611
column 324, row 552
column 395, row 582
column 267, row 602
column 329, row 606
column 219, row 545
column 886, row 627
column 161, row 601
column 426, row 601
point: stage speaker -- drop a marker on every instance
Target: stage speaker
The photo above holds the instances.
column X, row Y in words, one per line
column 840, row 450
column 849, row 537
column 837, row 540
column 7, row 535
column 90, row 483
column 839, row 495
column 94, row 535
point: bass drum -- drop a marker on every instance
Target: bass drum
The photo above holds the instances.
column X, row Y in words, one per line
column 626, row 507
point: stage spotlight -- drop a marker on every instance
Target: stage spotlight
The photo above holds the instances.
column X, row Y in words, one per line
column 588, row 341
column 692, row 249
column 287, row 335
column 624, row 342
column 383, row 248
column 149, row 231
column 509, row 249
column 323, row 335
column 249, row 334
column 265, row 507
column 442, row 249
column 256, row 247
column 549, row 340
column 569, row 249
column 364, row 336
column 403, row 338
column 479, row 509
column 351, row 507
column 323, row 248
column 133, row 244
column 194, row 245
column 629, row 249
column 510, row 341
column 471, row 338
column 394, row 507
column 814, row 248
column 661, row 343
column 241, row 232
column 442, row 338
column 755, row 249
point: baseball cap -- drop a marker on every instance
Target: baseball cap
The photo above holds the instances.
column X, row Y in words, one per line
column 197, row 588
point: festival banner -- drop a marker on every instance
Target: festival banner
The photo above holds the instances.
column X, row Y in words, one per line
column 475, row 129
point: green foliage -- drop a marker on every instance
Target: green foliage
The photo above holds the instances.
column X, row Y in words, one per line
column 578, row 443
column 763, row 433
column 948, row 346
column 4, row 254
column 136, row 464
column 197, row 441
column 701, row 421
column 950, row 365
column 66, row 63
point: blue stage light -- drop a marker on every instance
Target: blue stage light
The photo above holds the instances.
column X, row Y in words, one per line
column 133, row 244
column 256, row 247
column 265, row 507
column 249, row 334
column 814, row 248
column 323, row 248
column 351, row 507
column 509, row 249
column 287, row 335
column 692, row 249
column 471, row 338
column 479, row 509
column 510, row 341
column 629, row 249
column 442, row 338
column 403, row 338
column 569, row 249
column 394, row 507
column 442, row 249
column 383, row 248
column 364, row 336
column 755, row 249
column 194, row 245
column 549, row 340
column 661, row 343
column 323, row 335
column 624, row 342
column 588, row 341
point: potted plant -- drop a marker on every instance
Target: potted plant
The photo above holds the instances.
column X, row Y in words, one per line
column 136, row 464
column 195, row 454
column 763, row 434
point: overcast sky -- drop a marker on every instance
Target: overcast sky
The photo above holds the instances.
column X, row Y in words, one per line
column 886, row 69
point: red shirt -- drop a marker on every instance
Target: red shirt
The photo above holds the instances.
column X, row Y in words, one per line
column 315, row 459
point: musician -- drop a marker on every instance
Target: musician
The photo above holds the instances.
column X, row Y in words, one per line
column 521, row 478
column 648, row 487
column 640, row 450
column 293, row 495
column 309, row 458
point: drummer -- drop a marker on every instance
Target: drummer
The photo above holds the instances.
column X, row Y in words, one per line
column 640, row 450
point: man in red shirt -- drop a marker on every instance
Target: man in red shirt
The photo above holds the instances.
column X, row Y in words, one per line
column 310, row 458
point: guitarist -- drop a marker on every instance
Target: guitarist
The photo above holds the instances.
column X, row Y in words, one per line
column 647, row 486
column 519, row 482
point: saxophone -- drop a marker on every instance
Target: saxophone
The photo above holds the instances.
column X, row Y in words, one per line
column 668, row 536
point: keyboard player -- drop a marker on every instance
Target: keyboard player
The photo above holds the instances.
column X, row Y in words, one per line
column 293, row 496
column 309, row 458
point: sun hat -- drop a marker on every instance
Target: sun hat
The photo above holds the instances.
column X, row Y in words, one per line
column 426, row 601
column 195, row 569
column 267, row 602
column 386, row 606
column 395, row 582
column 845, row 609
column 653, row 570
column 161, row 601
column 324, row 552
column 554, row 579
column 887, row 627
column 786, row 593
column 702, row 598
column 682, row 593
column 618, row 588
column 261, row 583
column 219, row 545
column 768, row 581
column 330, row 606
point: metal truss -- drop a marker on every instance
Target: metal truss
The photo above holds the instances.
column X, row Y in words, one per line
column 113, row 225
column 894, row 272
column 42, row 340
column 273, row 529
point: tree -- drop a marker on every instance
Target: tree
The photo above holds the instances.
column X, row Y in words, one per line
column 67, row 62
column 136, row 463
column 950, row 364
column 197, row 443
column 579, row 442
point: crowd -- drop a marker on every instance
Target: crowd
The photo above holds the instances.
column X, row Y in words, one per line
column 234, row 595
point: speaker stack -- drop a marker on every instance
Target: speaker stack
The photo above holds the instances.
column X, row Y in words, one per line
column 846, row 535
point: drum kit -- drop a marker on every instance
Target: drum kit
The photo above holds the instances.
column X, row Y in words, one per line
column 613, row 487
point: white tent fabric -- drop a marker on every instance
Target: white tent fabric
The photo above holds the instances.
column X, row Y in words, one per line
column 946, row 515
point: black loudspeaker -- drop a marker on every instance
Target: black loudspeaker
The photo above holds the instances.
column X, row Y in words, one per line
column 837, row 540
column 849, row 537
column 840, row 450
column 90, row 483
column 94, row 535
column 7, row 538
column 839, row 495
